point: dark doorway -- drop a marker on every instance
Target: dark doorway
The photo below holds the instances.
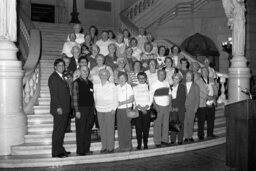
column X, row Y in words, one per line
column 42, row 13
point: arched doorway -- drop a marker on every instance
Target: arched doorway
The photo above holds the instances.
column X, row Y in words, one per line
column 200, row 47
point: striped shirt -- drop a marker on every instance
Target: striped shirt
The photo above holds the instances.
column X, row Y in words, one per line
column 160, row 93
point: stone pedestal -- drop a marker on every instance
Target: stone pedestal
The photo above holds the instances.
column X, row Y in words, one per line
column 239, row 80
column 12, row 117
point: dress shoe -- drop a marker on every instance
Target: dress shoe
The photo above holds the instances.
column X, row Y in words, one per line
column 172, row 142
column 62, row 155
column 110, row 151
column 81, row 154
column 138, row 147
column 165, row 144
column 67, row 153
column 103, row 151
column 180, row 143
column 185, row 140
column 191, row 140
column 211, row 136
column 158, row 146
column 68, row 131
column 89, row 153
column 145, row 147
column 201, row 138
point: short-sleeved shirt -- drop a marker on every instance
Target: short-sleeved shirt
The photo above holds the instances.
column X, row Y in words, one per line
column 124, row 92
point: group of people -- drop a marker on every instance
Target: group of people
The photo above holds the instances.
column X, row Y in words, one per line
column 107, row 77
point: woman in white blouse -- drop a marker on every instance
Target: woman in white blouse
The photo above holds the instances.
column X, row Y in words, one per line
column 105, row 96
column 94, row 76
column 142, row 103
column 125, row 99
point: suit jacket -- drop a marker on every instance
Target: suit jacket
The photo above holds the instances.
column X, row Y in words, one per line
column 60, row 94
column 179, row 102
column 193, row 97
column 72, row 66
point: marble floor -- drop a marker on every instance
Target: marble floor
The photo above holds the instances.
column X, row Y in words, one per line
column 210, row 159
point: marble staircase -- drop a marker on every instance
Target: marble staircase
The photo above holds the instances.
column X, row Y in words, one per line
column 36, row 151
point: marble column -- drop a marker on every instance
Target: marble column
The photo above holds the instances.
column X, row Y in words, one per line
column 239, row 73
column 12, row 117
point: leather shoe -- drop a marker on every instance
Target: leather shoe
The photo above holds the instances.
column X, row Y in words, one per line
column 181, row 142
column 158, row 145
column 89, row 153
column 185, row 140
column 201, row 138
column 62, row 155
column 191, row 140
column 211, row 136
column 165, row 144
column 81, row 154
column 67, row 153
column 103, row 151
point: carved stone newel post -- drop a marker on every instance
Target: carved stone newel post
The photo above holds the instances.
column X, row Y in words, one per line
column 12, row 117
column 239, row 73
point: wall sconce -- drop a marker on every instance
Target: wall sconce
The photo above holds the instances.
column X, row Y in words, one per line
column 227, row 46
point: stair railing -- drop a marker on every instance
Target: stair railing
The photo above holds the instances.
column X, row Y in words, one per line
column 30, row 46
column 133, row 11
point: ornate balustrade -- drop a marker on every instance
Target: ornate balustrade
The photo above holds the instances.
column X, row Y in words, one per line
column 30, row 45
column 133, row 11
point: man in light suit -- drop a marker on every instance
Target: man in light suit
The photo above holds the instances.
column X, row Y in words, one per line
column 191, row 105
column 59, row 108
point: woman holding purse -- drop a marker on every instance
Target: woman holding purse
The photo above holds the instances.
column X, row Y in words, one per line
column 178, row 92
column 142, row 103
column 125, row 100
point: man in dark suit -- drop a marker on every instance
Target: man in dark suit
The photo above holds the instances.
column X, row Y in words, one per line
column 59, row 108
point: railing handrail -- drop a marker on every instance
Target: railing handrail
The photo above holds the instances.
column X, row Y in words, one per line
column 30, row 43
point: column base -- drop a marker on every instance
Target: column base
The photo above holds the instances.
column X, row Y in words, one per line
column 12, row 118
column 239, row 79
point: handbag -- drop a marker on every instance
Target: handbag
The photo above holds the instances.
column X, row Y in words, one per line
column 130, row 112
column 175, row 125
column 153, row 114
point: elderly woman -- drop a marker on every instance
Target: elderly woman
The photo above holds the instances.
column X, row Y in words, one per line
column 133, row 79
column 111, row 58
column 68, row 45
column 161, row 55
column 100, row 59
column 79, row 36
column 93, row 31
column 120, row 45
column 137, row 52
column 147, row 54
column 178, row 93
column 121, row 62
column 127, row 36
column 83, row 102
column 106, row 102
column 103, row 43
column 143, row 103
column 170, row 70
column 125, row 99
column 176, row 56
column 152, row 72
column 87, row 45
column 92, row 58
column 76, row 51
column 128, row 55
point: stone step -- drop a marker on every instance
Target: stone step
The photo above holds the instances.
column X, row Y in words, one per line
column 47, row 118
column 46, row 137
column 45, row 147
column 44, row 128
column 47, row 161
